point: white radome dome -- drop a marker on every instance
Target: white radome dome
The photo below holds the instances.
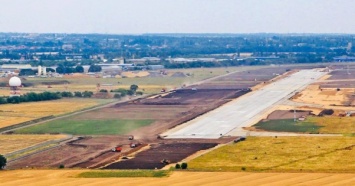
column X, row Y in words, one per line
column 15, row 82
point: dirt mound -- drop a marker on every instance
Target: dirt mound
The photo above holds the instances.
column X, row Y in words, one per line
column 288, row 114
column 132, row 74
column 178, row 74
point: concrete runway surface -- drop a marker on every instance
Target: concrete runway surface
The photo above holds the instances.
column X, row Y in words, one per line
column 242, row 111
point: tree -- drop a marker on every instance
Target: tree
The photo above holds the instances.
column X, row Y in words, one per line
column 3, row 100
column 134, row 88
column 184, row 166
column 95, row 68
column 87, row 94
column 27, row 72
column 50, row 70
column 177, row 166
column 60, row 69
column 3, row 161
column 67, row 94
column 130, row 92
column 14, row 99
column 78, row 94
column 79, row 69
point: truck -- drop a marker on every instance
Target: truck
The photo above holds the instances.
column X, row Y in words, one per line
column 117, row 149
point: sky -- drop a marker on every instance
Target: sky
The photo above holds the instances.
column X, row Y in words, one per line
column 177, row 16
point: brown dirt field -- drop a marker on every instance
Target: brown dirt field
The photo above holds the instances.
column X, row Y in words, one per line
column 67, row 178
column 342, row 74
column 150, row 158
column 314, row 95
column 287, row 114
column 74, row 152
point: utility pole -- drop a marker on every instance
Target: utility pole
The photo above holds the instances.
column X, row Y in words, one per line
column 294, row 114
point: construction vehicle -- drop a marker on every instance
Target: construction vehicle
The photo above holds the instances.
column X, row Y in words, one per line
column 165, row 161
column 134, row 145
column 117, row 149
column 239, row 139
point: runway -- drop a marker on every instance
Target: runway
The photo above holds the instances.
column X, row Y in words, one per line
column 240, row 112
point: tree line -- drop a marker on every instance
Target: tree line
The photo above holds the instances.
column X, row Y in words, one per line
column 44, row 96
column 119, row 93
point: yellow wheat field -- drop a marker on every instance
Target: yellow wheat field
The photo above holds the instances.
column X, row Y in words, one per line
column 285, row 154
column 68, row 177
column 11, row 114
column 11, row 143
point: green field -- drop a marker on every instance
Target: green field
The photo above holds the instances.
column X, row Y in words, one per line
column 288, row 125
column 322, row 125
column 124, row 173
column 281, row 154
column 85, row 127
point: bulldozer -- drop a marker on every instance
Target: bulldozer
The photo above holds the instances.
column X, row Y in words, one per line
column 165, row 161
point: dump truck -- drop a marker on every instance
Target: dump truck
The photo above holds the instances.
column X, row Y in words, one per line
column 117, row 149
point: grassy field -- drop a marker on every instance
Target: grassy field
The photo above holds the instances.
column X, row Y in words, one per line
column 341, row 125
column 85, row 127
column 323, row 125
column 11, row 143
column 124, row 173
column 11, row 114
column 284, row 154
column 288, row 125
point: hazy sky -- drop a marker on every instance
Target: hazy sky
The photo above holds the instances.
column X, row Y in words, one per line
column 177, row 16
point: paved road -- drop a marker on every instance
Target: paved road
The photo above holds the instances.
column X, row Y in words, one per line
column 240, row 112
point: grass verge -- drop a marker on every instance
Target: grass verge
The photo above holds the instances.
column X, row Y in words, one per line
column 85, row 127
column 124, row 173
column 288, row 125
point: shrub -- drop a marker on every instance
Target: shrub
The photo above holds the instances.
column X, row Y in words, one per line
column 243, row 169
column 184, row 166
column 61, row 166
column 3, row 161
column 117, row 96
column 103, row 90
column 326, row 112
column 130, row 92
column 177, row 166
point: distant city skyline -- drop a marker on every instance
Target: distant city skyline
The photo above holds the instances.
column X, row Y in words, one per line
column 177, row 16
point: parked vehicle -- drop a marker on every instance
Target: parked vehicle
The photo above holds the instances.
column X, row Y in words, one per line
column 238, row 139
